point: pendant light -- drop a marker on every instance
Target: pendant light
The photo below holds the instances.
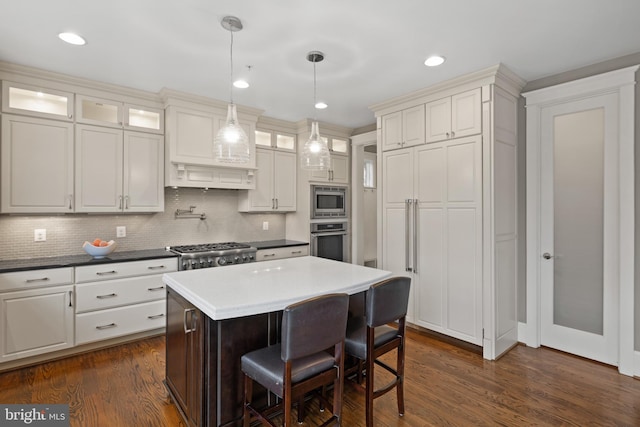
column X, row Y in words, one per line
column 315, row 153
column 231, row 144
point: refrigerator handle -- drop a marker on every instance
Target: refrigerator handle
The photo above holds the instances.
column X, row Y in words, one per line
column 407, row 234
column 415, row 235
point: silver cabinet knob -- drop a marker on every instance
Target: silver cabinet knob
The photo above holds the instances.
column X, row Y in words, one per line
column 547, row 255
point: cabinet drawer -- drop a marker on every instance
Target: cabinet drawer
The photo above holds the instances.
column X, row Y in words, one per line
column 278, row 253
column 35, row 278
column 114, row 293
column 117, row 270
column 115, row 322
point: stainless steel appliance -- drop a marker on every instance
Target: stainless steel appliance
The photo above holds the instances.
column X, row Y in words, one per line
column 330, row 240
column 328, row 202
column 213, row 255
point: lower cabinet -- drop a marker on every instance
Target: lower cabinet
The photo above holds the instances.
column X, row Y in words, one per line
column 282, row 252
column 203, row 372
column 184, row 360
column 36, row 312
column 119, row 299
column 35, row 321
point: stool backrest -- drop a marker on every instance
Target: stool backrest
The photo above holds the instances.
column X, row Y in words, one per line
column 313, row 325
column 387, row 301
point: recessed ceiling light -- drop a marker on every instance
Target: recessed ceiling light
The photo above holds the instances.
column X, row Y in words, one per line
column 72, row 38
column 241, row 84
column 434, row 61
column 321, row 105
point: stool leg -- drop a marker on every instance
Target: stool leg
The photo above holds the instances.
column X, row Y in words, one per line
column 248, row 392
column 400, row 375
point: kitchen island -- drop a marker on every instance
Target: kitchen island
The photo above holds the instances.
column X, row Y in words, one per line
column 216, row 315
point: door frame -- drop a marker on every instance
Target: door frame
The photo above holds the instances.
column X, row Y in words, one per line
column 621, row 82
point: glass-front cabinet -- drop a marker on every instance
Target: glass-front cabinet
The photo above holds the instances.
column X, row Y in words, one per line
column 275, row 140
column 35, row 101
column 104, row 112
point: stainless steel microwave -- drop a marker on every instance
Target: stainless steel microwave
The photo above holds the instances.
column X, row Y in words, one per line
column 328, row 202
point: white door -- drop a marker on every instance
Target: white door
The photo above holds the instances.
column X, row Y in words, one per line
column 579, row 280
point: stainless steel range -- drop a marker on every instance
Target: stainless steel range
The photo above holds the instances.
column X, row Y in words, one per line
column 213, row 254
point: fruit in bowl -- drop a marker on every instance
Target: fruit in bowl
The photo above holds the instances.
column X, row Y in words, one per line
column 99, row 248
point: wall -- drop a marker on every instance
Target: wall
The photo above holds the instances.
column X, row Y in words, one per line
column 591, row 70
column 66, row 233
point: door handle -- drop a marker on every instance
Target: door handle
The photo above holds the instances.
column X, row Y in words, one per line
column 407, row 235
column 415, row 235
column 547, row 255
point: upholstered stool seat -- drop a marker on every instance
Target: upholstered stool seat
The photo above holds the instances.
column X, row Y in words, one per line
column 265, row 366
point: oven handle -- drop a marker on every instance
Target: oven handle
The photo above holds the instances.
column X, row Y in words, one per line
column 329, row 233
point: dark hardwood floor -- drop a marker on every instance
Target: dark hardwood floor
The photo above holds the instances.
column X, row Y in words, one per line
column 444, row 385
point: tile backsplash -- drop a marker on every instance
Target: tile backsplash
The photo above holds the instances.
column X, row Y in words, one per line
column 67, row 233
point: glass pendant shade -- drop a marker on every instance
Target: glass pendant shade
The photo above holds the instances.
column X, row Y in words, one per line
column 231, row 144
column 315, row 153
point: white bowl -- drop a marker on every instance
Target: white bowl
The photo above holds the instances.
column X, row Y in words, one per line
column 99, row 251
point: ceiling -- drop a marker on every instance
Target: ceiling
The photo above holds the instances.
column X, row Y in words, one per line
column 374, row 49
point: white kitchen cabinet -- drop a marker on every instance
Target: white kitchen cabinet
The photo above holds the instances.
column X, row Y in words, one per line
column 403, row 128
column 190, row 134
column 118, row 171
column 275, row 183
column 281, row 253
column 455, row 116
column 36, row 101
column 449, row 211
column 433, row 223
column 37, row 312
column 338, row 172
column 37, row 165
column 119, row 299
column 106, row 112
column 190, row 160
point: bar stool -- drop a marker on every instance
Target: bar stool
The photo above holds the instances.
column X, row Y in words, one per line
column 301, row 362
column 376, row 333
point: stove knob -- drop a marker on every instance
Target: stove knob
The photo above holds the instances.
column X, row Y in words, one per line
column 185, row 265
column 237, row 260
column 245, row 258
column 210, row 262
column 222, row 261
column 202, row 263
column 194, row 264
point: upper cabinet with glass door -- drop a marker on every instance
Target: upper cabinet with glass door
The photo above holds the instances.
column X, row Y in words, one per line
column 104, row 112
column 36, row 101
column 266, row 139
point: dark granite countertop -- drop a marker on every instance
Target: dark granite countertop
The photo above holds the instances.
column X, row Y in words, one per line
column 7, row 266
column 280, row 243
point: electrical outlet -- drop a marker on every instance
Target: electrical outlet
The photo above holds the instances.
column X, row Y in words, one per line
column 40, row 235
column 265, row 225
column 121, row 231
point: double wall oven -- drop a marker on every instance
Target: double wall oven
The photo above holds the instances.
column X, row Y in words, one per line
column 329, row 222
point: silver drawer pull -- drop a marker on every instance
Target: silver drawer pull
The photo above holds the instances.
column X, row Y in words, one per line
column 106, row 296
column 104, row 273
column 110, row 325
column 156, row 267
column 157, row 316
column 42, row 279
column 159, row 288
column 266, row 255
column 296, row 252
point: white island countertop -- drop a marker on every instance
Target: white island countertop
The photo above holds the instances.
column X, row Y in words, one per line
column 263, row 287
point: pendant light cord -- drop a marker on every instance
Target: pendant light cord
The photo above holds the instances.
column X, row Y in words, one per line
column 231, row 68
column 315, row 110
